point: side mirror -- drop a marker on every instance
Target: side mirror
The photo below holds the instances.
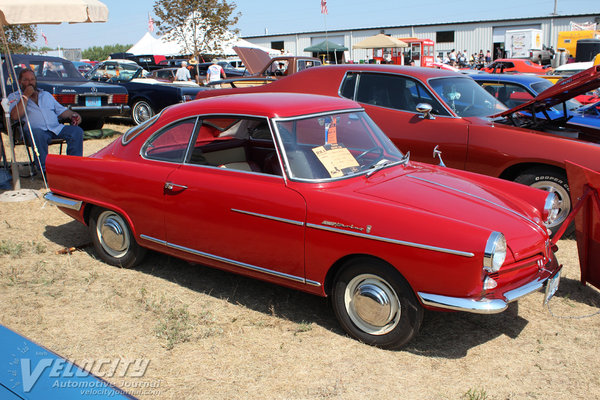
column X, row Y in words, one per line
column 425, row 109
column 438, row 153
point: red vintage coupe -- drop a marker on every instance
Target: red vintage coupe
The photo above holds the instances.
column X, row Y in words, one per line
column 515, row 66
column 420, row 108
column 307, row 192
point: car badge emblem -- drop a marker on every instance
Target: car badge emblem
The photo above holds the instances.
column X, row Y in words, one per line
column 93, row 89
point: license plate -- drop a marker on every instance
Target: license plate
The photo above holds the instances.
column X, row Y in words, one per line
column 551, row 287
column 92, row 102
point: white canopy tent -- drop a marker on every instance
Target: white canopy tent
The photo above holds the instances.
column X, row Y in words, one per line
column 15, row 12
column 239, row 42
column 148, row 44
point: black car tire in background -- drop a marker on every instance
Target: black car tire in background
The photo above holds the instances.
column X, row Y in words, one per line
column 141, row 111
column 551, row 180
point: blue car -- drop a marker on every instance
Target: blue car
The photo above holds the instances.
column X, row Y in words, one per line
column 567, row 117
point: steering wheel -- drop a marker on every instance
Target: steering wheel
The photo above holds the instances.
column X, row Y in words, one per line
column 375, row 149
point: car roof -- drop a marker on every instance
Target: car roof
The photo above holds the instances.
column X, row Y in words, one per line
column 561, row 91
column 263, row 104
column 525, row 79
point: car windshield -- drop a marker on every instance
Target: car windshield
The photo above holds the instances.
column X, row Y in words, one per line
column 465, row 97
column 335, row 145
column 539, row 87
column 47, row 70
column 115, row 71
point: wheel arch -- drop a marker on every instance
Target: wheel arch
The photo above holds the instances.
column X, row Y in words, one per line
column 339, row 264
column 87, row 212
column 512, row 172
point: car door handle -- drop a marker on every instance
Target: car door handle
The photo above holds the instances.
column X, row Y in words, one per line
column 173, row 186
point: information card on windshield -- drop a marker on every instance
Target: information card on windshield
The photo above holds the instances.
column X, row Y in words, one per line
column 336, row 159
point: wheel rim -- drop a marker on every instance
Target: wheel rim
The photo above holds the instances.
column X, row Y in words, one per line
column 564, row 201
column 113, row 234
column 142, row 112
column 372, row 304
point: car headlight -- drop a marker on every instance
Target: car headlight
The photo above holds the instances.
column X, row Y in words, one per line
column 495, row 252
column 551, row 208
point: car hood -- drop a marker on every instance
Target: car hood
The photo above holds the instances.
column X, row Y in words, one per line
column 254, row 59
column 562, row 91
column 434, row 191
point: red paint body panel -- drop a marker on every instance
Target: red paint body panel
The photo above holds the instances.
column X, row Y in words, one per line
column 515, row 65
column 430, row 223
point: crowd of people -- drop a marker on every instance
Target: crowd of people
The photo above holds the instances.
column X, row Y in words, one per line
column 463, row 59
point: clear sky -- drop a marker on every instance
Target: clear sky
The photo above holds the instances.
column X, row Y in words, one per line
column 128, row 19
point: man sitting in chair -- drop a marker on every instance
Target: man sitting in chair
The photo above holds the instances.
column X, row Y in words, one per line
column 44, row 113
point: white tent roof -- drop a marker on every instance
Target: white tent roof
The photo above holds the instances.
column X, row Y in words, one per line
column 239, row 42
column 148, row 44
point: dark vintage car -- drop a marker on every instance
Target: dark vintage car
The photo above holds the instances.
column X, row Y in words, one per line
column 94, row 101
column 307, row 192
column 420, row 108
column 146, row 96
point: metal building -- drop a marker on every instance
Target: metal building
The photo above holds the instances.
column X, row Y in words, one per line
column 472, row 36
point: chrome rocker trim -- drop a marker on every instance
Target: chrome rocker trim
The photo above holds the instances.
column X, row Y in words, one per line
column 233, row 262
column 483, row 306
column 64, row 202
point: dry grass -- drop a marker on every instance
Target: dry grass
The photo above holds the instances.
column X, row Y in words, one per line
column 211, row 334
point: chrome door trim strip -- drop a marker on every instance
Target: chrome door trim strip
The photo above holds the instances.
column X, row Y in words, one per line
column 476, row 197
column 233, row 262
column 287, row 221
column 392, row 241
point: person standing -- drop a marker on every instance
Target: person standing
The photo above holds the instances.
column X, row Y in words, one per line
column 182, row 74
column 215, row 72
column 44, row 112
column 488, row 57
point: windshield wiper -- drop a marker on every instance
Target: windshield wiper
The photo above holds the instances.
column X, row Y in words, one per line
column 384, row 163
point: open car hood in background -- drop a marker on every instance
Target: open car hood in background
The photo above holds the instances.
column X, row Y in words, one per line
column 254, row 59
column 562, row 91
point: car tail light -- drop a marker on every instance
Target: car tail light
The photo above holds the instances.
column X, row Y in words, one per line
column 118, row 99
column 66, row 98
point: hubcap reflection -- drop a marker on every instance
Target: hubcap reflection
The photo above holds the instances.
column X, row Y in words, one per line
column 112, row 233
column 372, row 304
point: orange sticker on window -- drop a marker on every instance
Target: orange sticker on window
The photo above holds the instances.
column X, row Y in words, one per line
column 332, row 132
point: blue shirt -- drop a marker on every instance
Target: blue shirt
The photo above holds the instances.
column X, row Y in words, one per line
column 44, row 114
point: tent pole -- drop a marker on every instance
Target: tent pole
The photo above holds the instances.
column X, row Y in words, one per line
column 11, row 143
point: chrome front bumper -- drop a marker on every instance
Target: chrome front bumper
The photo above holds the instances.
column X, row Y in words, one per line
column 61, row 201
column 483, row 306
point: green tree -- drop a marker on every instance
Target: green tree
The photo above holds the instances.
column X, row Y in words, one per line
column 199, row 26
column 20, row 37
column 98, row 53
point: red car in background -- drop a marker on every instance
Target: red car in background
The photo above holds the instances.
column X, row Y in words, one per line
column 515, row 66
column 420, row 108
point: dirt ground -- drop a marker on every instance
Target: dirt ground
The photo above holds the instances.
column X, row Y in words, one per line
column 215, row 335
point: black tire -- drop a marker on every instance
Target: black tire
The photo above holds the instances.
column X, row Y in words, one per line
column 141, row 111
column 92, row 123
column 113, row 240
column 551, row 180
column 365, row 285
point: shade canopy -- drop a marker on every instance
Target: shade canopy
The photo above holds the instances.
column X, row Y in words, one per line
column 325, row 46
column 148, row 44
column 13, row 12
column 379, row 41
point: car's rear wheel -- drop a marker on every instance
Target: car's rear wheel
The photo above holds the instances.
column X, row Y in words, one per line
column 113, row 239
column 375, row 304
column 554, row 181
column 141, row 111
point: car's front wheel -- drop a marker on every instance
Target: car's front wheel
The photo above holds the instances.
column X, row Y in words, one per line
column 375, row 304
column 141, row 111
column 554, row 181
column 113, row 239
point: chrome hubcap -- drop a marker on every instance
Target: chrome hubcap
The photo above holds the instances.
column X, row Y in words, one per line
column 564, row 201
column 372, row 304
column 112, row 233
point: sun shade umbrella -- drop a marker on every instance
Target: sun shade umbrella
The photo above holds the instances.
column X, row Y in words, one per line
column 15, row 12
column 379, row 41
column 325, row 46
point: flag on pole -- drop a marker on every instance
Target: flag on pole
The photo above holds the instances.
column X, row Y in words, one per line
column 323, row 6
column 45, row 38
column 150, row 24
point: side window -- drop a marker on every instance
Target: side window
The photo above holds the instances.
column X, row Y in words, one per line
column 171, row 143
column 348, row 85
column 516, row 95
